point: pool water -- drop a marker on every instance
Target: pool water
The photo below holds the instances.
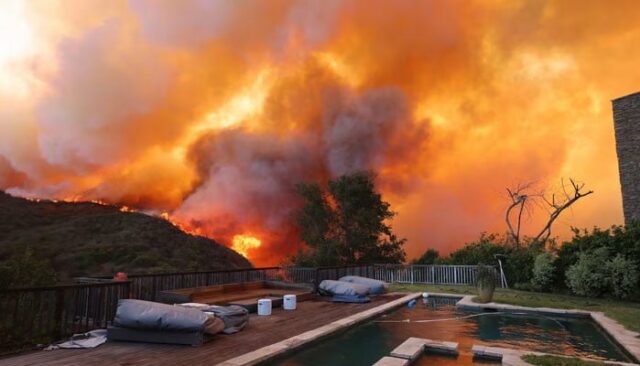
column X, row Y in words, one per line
column 440, row 320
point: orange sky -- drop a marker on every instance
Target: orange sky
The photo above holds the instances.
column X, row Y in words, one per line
column 211, row 111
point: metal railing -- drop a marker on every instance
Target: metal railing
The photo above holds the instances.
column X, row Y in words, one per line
column 45, row 314
column 429, row 274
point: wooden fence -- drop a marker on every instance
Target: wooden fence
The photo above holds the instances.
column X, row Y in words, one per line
column 41, row 315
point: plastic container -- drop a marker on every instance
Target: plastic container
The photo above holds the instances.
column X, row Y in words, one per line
column 264, row 307
column 289, row 302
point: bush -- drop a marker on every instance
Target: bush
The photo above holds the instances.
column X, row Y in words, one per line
column 517, row 261
column 623, row 276
column 26, row 270
column 624, row 240
column 429, row 257
column 589, row 276
column 543, row 272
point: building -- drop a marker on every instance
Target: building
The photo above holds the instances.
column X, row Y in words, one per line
column 626, row 118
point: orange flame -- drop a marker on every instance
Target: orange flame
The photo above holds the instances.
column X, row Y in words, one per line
column 243, row 244
column 430, row 94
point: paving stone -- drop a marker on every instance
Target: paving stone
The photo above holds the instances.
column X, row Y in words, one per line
column 409, row 349
column 450, row 348
column 487, row 352
column 391, row 361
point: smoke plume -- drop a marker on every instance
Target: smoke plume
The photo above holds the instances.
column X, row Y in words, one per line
column 212, row 111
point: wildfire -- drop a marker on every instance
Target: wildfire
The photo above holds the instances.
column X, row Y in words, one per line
column 244, row 243
column 211, row 114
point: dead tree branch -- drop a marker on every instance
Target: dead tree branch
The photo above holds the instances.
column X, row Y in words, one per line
column 554, row 204
column 557, row 207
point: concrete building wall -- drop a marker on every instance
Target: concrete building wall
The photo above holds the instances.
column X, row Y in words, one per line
column 626, row 117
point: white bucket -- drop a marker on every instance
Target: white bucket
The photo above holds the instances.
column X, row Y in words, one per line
column 289, row 302
column 264, row 307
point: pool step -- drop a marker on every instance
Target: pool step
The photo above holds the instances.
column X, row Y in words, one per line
column 409, row 349
column 391, row 361
column 486, row 352
column 442, row 347
column 413, row 347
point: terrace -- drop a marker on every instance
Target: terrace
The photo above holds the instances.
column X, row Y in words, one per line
column 314, row 324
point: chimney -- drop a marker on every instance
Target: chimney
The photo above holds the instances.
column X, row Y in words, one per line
column 626, row 120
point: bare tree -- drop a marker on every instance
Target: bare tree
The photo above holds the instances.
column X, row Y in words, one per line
column 555, row 205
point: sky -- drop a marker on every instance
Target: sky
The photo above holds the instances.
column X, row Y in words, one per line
column 208, row 113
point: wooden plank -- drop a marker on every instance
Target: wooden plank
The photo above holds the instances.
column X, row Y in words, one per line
column 260, row 332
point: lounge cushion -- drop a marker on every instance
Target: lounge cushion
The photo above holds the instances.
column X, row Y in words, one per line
column 147, row 315
column 234, row 317
column 375, row 286
column 330, row 287
column 350, row 299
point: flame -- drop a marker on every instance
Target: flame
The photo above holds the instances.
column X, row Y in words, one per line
column 243, row 244
column 212, row 112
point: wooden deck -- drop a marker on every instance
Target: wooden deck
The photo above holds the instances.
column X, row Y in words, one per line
column 260, row 332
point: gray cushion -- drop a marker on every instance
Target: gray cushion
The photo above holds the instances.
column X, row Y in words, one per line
column 375, row 286
column 147, row 315
column 331, row 287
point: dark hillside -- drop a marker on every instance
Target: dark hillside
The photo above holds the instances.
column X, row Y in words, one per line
column 85, row 238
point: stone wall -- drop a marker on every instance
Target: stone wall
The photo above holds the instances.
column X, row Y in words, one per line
column 626, row 116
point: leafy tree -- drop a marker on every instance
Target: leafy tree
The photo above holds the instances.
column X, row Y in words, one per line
column 346, row 224
column 428, row 257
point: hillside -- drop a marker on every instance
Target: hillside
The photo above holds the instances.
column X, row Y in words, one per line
column 80, row 239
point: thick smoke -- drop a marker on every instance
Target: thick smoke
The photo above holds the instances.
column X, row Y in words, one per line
column 212, row 111
column 248, row 179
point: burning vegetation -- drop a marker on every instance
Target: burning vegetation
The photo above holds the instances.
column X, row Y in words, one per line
column 211, row 112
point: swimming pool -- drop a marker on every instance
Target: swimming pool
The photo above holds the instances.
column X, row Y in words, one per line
column 438, row 319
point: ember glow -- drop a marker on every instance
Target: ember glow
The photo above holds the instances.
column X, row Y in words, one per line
column 212, row 111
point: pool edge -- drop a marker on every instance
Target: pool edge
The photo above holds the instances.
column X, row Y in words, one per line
column 628, row 340
column 295, row 342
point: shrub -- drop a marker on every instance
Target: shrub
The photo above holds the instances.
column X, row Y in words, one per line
column 429, row 257
column 517, row 261
column 624, row 240
column 623, row 276
column 543, row 272
column 589, row 277
column 26, row 270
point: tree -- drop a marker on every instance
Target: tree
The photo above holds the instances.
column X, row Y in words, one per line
column 428, row 257
column 555, row 204
column 346, row 224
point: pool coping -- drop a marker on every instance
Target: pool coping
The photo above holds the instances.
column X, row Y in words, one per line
column 513, row 357
column 627, row 339
column 289, row 344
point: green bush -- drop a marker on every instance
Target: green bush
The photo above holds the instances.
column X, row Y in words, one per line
column 589, row 276
column 623, row 276
column 543, row 272
column 517, row 261
column 624, row 240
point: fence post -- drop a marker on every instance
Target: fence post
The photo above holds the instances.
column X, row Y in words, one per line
column 58, row 313
column 411, row 269
column 317, row 280
column 433, row 274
